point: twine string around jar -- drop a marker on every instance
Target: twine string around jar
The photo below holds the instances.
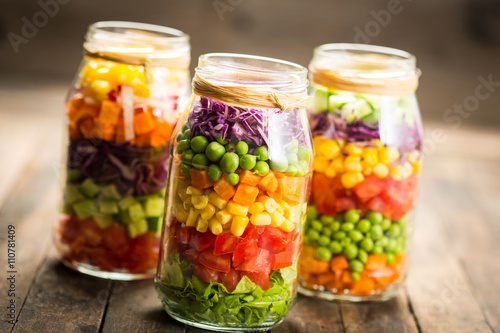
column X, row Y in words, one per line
column 388, row 86
column 257, row 97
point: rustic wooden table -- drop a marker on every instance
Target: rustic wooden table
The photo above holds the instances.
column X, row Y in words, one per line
column 454, row 277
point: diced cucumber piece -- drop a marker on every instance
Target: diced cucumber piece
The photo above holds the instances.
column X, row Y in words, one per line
column 125, row 217
column 110, row 192
column 108, row 207
column 136, row 212
column 338, row 101
column 155, row 224
column 89, row 188
column 154, row 207
column 320, row 101
column 103, row 220
column 85, row 209
column 356, row 110
column 72, row 194
column 137, row 228
column 73, row 175
column 126, row 202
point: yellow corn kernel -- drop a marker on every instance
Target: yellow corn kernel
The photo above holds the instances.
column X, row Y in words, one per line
column 352, row 149
column 407, row 169
column 193, row 191
column 367, row 171
column 370, row 156
column 328, row 148
column 256, row 207
column 192, row 217
column 416, row 166
column 388, row 155
column 340, row 142
column 199, row 201
column 238, row 225
column 182, row 194
column 201, row 225
column 381, row 171
column 317, row 140
column 277, row 219
column 320, row 164
column 216, row 200
column 101, row 88
column 338, row 164
column 293, row 213
column 413, row 157
column 215, row 226
column 207, row 212
column 330, row 172
column 261, row 218
column 270, row 204
column 353, row 163
column 351, row 179
column 187, row 203
column 180, row 213
column 377, row 143
column 223, row 216
column 281, row 209
column 237, row 209
column 287, row 226
column 397, row 173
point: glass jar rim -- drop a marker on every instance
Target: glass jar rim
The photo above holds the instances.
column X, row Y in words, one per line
column 249, row 70
column 390, row 61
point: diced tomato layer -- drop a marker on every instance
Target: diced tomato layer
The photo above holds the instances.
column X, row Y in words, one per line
column 225, row 243
column 206, row 274
column 259, row 278
column 392, row 198
column 230, row 279
column 245, row 250
column 281, row 260
column 202, row 240
column 110, row 249
column 221, row 263
column 274, row 239
column 257, row 263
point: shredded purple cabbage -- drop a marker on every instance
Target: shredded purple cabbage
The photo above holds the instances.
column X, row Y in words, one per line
column 133, row 170
column 328, row 125
column 212, row 119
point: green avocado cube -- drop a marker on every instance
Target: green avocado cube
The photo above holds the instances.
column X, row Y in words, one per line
column 103, row 220
column 154, row 207
column 126, row 202
column 85, row 209
column 89, row 188
column 72, row 194
column 125, row 217
column 108, row 207
column 136, row 212
column 110, row 192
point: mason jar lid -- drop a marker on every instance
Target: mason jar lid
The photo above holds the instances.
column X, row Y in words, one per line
column 137, row 43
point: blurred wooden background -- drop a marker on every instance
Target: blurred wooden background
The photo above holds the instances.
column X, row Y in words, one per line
column 455, row 41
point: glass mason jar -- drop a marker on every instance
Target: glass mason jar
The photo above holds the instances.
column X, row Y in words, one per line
column 237, row 195
column 120, row 114
column 367, row 136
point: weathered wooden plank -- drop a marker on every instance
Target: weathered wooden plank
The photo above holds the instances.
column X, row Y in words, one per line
column 63, row 300
column 475, row 232
column 312, row 315
column 134, row 307
column 390, row 316
column 31, row 210
column 437, row 286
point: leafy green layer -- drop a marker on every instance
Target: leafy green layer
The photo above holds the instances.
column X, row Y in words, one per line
column 248, row 305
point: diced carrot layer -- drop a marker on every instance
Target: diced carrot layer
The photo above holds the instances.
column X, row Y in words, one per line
column 105, row 130
column 199, row 178
column 376, row 261
column 249, row 178
column 110, row 112
column 313, row 266
column 364, row 286
column 278, row 197
column 225, row 190
column 292, row 185
column 339, row 263
column 246, row 194
column 269, row 182
column 292, row 199
column 143, row 123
